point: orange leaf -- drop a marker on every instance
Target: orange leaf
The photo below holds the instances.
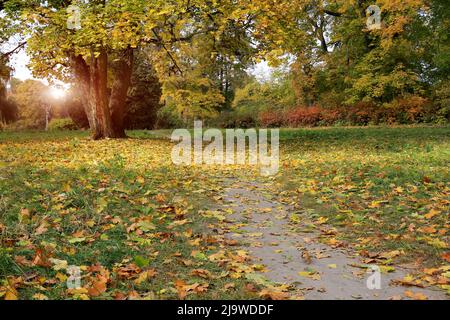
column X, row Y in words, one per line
column 11, row 294
column 446, row 256
column 205, row 274
column 41, row 258
column 98, row 286
column 273, row 295
column 415, row 296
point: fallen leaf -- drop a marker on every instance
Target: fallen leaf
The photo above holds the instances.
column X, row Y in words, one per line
column 11, row 293
column 41, row 258
column 268, row 294
column 415, row 296
column 205, row 274
column 433, row 213
column 98, row 286
column 446, row 256
column 144, row 276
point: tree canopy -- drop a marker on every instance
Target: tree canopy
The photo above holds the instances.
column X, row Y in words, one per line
column 201, row 50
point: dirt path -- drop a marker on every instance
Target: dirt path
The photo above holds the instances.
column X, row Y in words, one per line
column 292, row 253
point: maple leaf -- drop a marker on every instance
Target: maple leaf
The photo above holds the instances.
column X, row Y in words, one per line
column 43, row 228
column 144, row 276
column 98, row 286
column 433, row 213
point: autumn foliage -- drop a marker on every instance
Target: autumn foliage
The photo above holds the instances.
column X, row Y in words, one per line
column 410, row 110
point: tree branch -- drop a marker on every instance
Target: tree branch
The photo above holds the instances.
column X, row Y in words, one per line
column 7, row 54
column 168, row 52
column 332, row 13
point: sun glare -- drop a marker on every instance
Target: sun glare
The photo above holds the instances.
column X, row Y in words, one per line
column 57, row 93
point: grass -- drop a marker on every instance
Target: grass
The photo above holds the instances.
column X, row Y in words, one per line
column 107, row 204
column 386, row 188
column 133, row 221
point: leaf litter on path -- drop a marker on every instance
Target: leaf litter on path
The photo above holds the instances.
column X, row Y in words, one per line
column 307, row 259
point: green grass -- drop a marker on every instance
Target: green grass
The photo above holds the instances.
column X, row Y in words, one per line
column 96, row 192
column 376, row 185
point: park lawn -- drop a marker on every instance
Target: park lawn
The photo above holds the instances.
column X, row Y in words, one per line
column 119, row 210
column 384, row 189
column 139, row 227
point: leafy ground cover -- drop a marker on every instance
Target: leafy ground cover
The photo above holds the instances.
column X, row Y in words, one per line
column 141, row 228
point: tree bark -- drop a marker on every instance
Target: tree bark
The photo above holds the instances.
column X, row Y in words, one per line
column 105, row 112
column 99, row 96
column 119, row 92
column 83, row 82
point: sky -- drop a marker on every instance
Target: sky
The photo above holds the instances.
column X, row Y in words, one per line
column 261, row 71
column 19, row 63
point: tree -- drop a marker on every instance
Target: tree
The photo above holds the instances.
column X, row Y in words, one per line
column 144, row 95
column 32, row 102
column 99, row 56
column 338, row 59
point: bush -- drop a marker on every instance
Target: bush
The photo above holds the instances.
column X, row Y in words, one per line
column 270, row 119
column 362, row 113
column 332, row 117
column 77, row 113
column 405, row 110
column 168, row 118
column 441, row 101
column 304, row 116
column 23, row 125
column 62, row 125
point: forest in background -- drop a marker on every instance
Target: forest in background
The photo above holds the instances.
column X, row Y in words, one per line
column 170, row 62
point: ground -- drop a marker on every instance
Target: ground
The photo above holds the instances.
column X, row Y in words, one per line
column 141, row 228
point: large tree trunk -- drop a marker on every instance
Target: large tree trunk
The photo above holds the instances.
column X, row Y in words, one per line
column 105, row 113
column 82, row 80
column 119, row 92
column 99, row 96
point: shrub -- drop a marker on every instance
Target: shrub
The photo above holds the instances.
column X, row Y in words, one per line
column 332, row 116
column 304, row 116
column 362, row 113
column 270, row 119
column 168, row 118
column 408, row 109
column 62, row 125
column 77, row 113
column 441, row 101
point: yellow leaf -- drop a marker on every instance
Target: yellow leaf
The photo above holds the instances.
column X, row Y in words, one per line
column 40, row 296
column 11, row 293
column 432, row 214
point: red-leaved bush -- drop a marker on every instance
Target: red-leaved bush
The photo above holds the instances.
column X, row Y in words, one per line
column 271, row 119
column 413, row 109
column 331, row 116
column 303, row 116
